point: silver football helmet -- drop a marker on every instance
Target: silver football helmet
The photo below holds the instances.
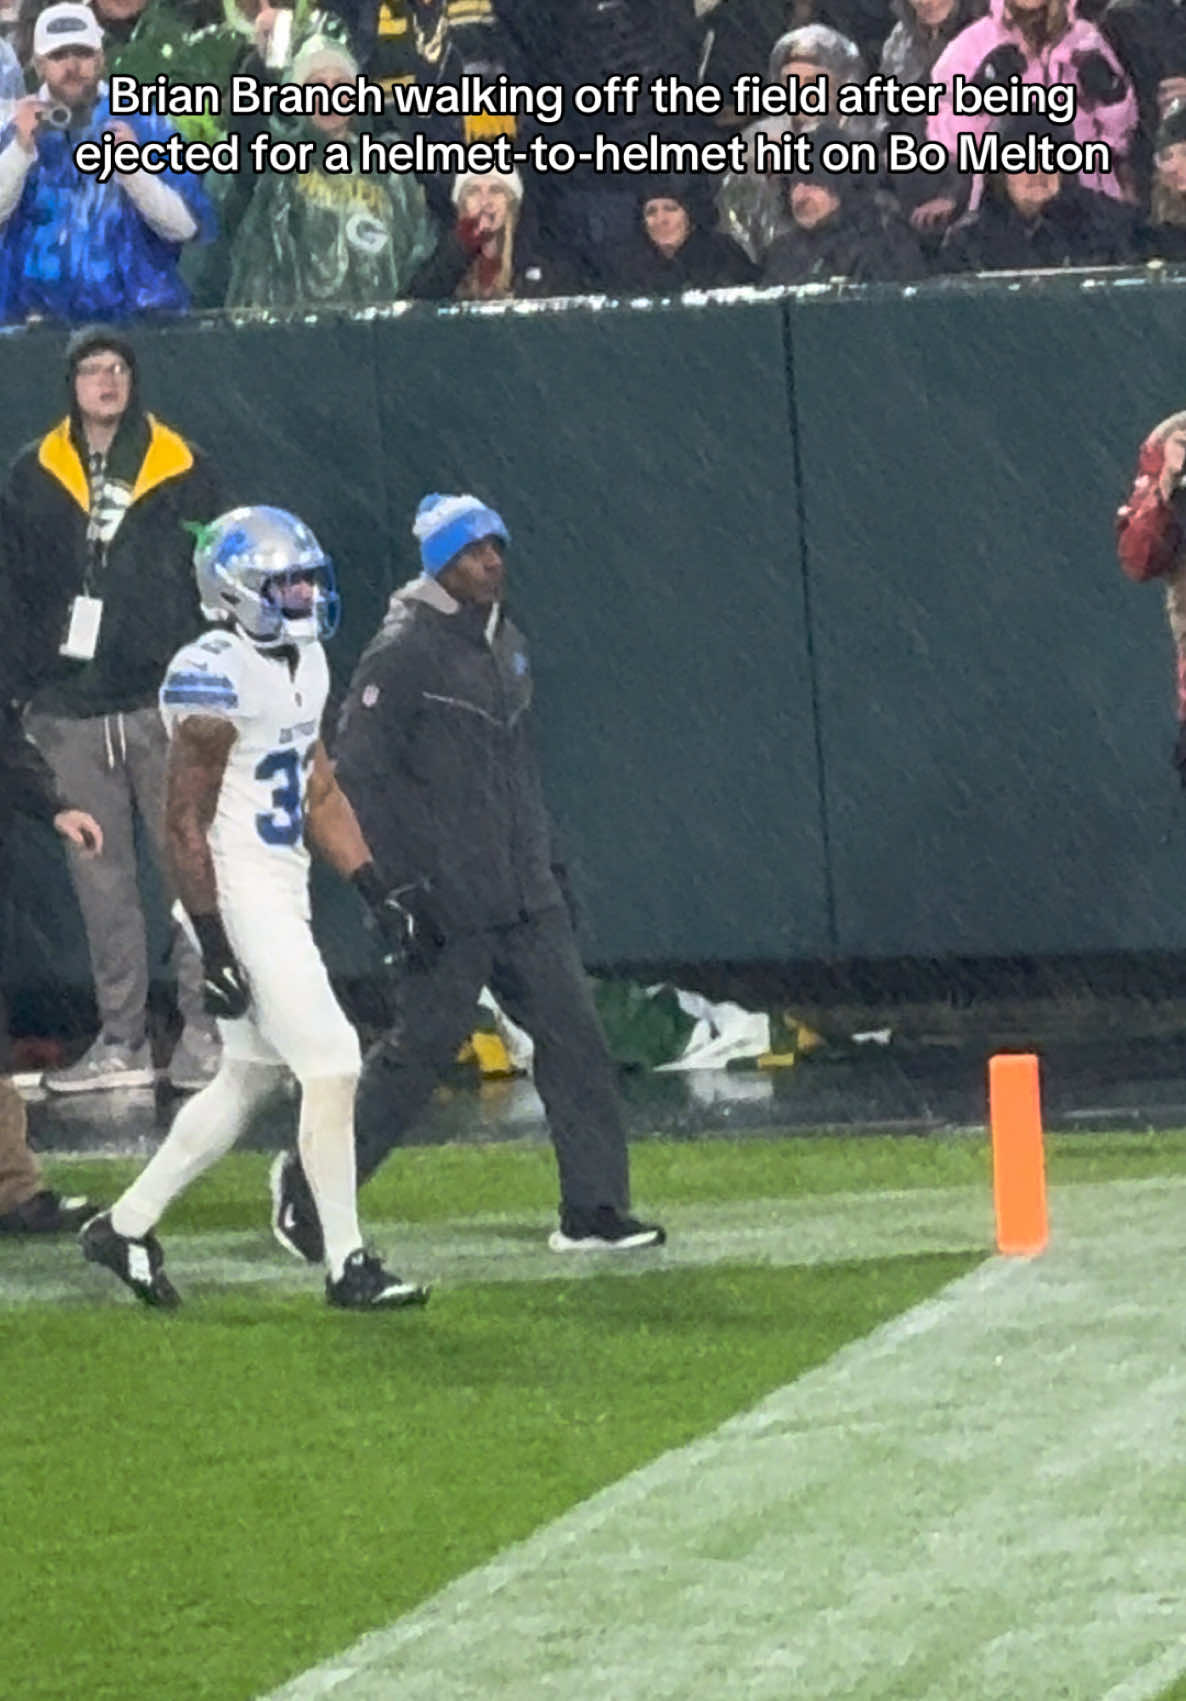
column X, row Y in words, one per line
column 264, row 569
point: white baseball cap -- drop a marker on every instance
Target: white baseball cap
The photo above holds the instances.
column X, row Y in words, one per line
column 66, row 25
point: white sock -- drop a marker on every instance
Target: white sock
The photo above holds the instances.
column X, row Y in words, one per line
column 326, row 1141
column 204, row 1129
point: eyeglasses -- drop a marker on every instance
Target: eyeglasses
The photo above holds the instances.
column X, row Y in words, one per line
column 103, row 369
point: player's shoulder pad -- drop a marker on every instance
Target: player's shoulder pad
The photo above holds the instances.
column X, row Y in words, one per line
column 204, row 676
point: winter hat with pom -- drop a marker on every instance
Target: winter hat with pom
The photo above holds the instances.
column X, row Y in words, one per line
column 508, row 180
column 444, row 525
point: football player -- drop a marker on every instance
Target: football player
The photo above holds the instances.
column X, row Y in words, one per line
column 249, row 783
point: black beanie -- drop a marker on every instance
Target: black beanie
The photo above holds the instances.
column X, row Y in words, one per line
column 86, row 341
column 693, row 197
column 1172, row 127
column 92, row 337
column 841, row 183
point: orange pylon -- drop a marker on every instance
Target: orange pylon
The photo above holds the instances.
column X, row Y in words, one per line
column 1018, row 1156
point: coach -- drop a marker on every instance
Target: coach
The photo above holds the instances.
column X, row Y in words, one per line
column 433, row 752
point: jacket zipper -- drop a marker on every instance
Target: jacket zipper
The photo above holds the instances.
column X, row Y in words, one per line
column 500, row 691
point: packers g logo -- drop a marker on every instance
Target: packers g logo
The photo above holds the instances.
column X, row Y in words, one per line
column 365, row 233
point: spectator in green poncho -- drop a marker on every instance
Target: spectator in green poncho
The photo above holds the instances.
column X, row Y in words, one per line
column 329, row 238
column 145, row 37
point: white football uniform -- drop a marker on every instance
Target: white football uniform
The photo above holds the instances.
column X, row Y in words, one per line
column 257, row 844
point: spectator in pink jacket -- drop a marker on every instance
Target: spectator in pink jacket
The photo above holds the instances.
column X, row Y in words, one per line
column 1042, row 41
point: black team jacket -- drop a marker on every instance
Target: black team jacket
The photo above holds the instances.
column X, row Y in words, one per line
column 433, row 751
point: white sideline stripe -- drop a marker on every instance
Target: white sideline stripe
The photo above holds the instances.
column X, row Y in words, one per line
column 1152, row 1680
column 811, row 1229
column 670, row 1472
column 818, row 1229
column 979, row 1500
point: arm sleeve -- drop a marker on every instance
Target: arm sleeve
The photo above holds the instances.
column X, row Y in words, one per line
column 163, row 200
column 26, row 622
column 14, row 168
column 1148, row 530
column 159, row 206
column 12, row 82
column 373, row 732
column 25, row 776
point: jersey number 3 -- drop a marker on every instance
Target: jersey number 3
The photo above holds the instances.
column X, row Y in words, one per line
column 284, row 822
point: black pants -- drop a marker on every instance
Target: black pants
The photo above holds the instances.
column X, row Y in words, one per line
column 535, row 972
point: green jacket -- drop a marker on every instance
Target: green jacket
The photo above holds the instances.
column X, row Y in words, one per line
column 328, row 239
column 163, row 41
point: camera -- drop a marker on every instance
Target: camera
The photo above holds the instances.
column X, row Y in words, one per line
column 56, row 117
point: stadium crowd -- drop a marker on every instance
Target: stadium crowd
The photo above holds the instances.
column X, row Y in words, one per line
column 142, row 243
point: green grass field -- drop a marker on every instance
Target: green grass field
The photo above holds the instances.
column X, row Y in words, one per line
column 206, row 1504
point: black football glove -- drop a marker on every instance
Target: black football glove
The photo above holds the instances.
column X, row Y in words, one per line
column 1099, row 84
column 225, row 992
column 395, row 927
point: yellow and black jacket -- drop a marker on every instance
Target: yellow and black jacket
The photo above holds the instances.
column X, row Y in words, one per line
column 144, row 574
column 440, row 43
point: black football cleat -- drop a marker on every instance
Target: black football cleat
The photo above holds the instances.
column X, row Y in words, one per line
column 295, row 1222
column 603, row 1230
column 365, row 1285
column 139, row 1264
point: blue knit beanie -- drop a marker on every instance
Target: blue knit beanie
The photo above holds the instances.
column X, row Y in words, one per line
column 446, row 524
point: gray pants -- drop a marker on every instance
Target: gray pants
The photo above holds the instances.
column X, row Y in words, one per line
column 535, row 972
column 113, row 766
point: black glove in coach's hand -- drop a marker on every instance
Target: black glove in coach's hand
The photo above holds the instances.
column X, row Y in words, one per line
column 224, row 985
column 398, row 918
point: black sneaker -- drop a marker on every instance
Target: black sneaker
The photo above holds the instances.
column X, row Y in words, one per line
column 365, row 1285
column 295, row 1222
column 48, row 1213
column 139, row 1264
column 603, row 1230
